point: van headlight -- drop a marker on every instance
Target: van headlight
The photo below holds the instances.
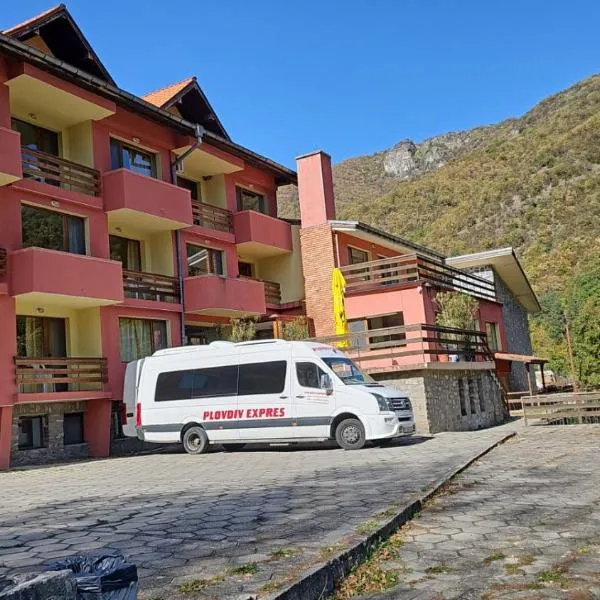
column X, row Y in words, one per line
column 382, row 402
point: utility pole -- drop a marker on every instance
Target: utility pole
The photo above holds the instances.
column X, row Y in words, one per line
column 570, row 352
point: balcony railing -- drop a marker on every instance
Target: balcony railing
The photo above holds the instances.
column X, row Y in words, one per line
column 3, row 262
column 151, row 286
column 44, row 375
column 272, row 292
column 411, row 268
column 410, row 344
column 213, row 217
column 60, row 172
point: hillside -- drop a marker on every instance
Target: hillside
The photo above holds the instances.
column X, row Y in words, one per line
column 531, row 182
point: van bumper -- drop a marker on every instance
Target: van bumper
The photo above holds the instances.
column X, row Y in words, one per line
column 387, row 425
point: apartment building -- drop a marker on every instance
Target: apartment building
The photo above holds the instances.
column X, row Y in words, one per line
column 127, row 225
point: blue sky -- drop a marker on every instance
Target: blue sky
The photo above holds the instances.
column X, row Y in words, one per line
column 351, row 77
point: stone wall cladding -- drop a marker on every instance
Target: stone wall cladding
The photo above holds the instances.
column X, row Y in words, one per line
column 55, row 451
column 435, row 397
column 318, row 262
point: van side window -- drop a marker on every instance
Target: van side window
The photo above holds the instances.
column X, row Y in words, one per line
column 262, row 378
column 196, row 383
column 309, row 374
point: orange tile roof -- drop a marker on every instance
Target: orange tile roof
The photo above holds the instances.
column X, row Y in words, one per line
column 163, row 95
column 39, row 17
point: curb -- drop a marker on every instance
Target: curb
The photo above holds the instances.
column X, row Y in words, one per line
column 318, row 582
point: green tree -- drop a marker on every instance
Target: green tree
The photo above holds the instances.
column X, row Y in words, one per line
column 242, row 330
column 456, row 310
column 297, row 329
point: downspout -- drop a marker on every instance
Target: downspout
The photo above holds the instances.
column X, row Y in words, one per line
column 199, row 131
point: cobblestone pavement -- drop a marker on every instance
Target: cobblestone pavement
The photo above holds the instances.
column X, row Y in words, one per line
column 240, row 520
column 522, row 522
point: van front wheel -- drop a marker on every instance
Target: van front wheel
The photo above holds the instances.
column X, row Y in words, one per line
column 195, row 440
column 350, row 434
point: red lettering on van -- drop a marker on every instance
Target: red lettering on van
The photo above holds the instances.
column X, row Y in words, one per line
column 206, row 415
column 270, row 412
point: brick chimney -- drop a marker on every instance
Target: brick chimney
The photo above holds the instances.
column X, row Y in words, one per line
column 317, row 208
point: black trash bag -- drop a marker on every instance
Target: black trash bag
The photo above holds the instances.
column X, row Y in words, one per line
column 105, row 576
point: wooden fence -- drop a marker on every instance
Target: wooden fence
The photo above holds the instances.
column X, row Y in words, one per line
column 39, row 375
column 562, row 409
column 213, row 217
column 150, row 286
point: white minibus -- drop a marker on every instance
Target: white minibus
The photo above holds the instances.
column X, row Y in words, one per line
column 266, row 391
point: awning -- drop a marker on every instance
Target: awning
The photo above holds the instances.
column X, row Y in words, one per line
column 523, row 358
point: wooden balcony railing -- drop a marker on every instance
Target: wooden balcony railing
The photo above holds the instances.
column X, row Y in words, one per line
column 410, row 344
column 60, row 172
column 3, row 262
column 410, row 268
column 39, row 375
column 272, row 292
column 213, row 217
column 151, row 286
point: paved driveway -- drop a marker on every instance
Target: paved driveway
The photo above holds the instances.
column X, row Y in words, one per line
column 242, row 518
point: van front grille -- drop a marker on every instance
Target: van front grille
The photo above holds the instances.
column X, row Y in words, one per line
column 399, row 403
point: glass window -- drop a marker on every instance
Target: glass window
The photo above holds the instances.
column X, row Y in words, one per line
column 247, row 200
column 190, row 185
column 41, row 337
column 73, row 428
column 36, row 137
column 262, row 378
column 201, row 261
column 347, row 371
column 139, row 161
column 196, row 383
column 493, row 337
column 33, row 432
column 127, row 251
column 246, row 269
column 309, row 374
column 356, row 256
column 52, row 230
column 384, row 321
column 141, row 337
column 200, row 335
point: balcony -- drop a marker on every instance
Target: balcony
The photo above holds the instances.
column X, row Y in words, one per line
column 63, row 378
column 412, row 346
column 212, row 217
column 151, row 286
column 223, row 296
column 259, row 236
column 59, row 172
column 272, row 293
column 10, row 156
column 145, row 203
column 64, row 279
column 388, row 273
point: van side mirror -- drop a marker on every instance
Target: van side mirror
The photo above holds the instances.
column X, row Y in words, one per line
column 326, row 384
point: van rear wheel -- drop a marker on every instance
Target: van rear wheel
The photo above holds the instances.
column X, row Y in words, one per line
column 350, row 434
column 195, row 440
column 233, row 447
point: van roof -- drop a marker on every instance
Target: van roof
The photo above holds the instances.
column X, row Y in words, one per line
column 224, row 345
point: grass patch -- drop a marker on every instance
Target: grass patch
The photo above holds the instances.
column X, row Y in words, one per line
column 438, row 569
column 526, row 559
column 247, row 569
column 551, row 576
column 494, row 557
column 367, row 527
column 271, row 586
column 388, row 513
column 513, row 569
column 197, row 585
column 366, row 579
column 283, row 553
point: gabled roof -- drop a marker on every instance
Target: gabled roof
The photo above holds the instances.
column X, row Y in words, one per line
column 508, row 267
column 58, row 33
column 191, row 103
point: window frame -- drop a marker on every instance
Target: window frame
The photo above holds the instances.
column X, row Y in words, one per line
column 192, row 186
column 122, row 145
column 495, row 327
column 320, row 373
column 43, row 432
column 153, row 346
column 254, row 368
column 80, row 418
column 212, row 265
column 135, row 242
column 39, row 131
column 352, row 249
column 262, row 200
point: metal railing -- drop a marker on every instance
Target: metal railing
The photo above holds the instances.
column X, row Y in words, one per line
column 151, row 286
column 411, row 268
column 410, row 344
column 213, row 217
column 272, row 292
column 60, row 172
column 39, row 375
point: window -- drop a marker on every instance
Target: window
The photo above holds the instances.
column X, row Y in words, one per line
column 41, row 337
column 126, row 251
column 246, row 269
column 36, row 138
column 309, row 375
column 356, row 256
column 462, row 396
column 52, row 230
column 196, row 383
column 73, row 428
column 247, row 200
column 33, row 432
column 493, row 336
column 200, row 336
column 201, row 261
column 192, row 186
column 139, row 161
column 141, row 337
column 394, row 320
column 262, row 378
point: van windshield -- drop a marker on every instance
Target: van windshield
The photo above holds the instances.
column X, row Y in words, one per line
column 346, row 370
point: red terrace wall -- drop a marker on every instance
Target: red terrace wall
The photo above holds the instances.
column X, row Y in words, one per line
column 491, row 312
column 231, row 268
column 109, row 325
column 344, row 240
column 4, row 96
column 408, row 301
column 258, row 181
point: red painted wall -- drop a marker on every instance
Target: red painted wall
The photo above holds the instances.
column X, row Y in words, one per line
column 257, row 181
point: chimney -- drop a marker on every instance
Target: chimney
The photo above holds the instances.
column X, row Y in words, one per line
column 315, row 189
